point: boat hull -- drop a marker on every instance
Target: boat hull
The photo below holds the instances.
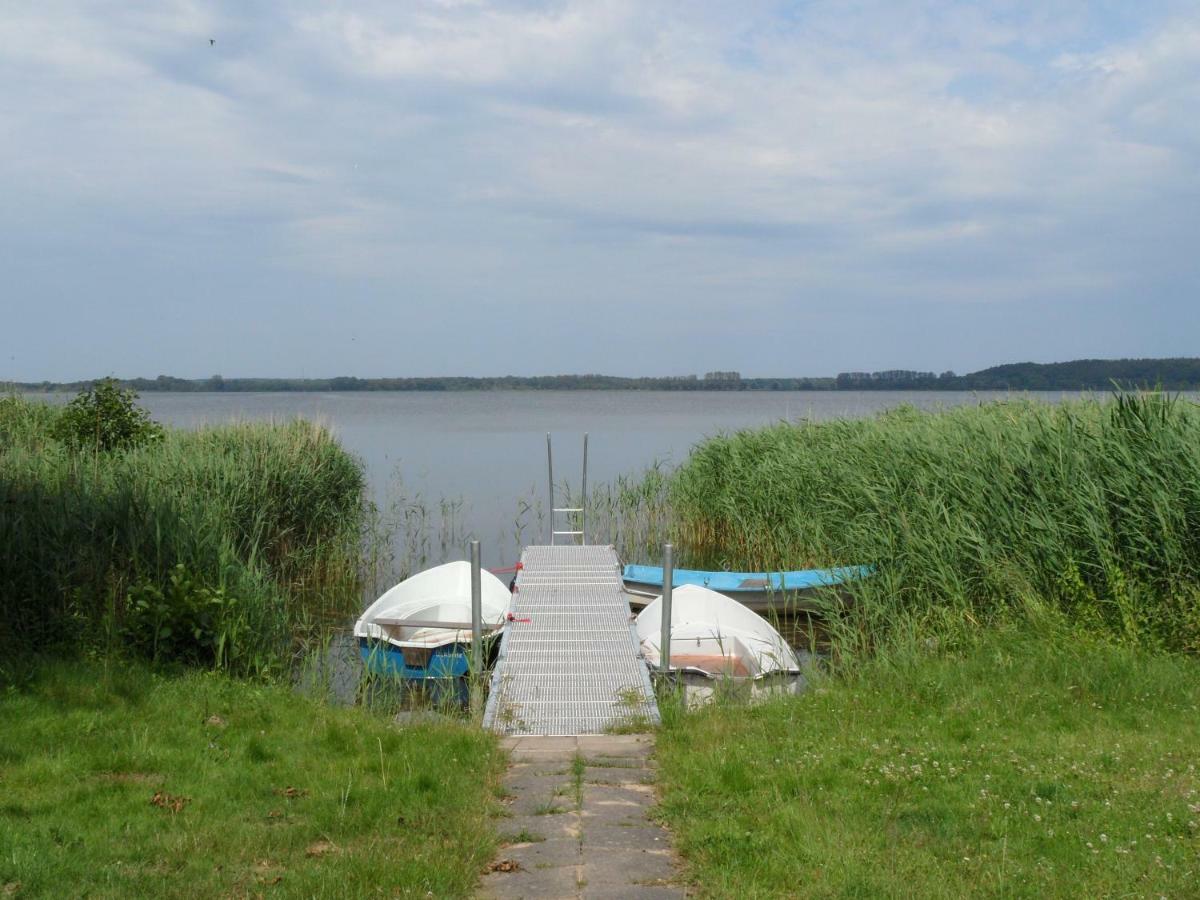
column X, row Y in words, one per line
column 446, row 661
column 420, row 629
column 758, row 591
column 715, row 637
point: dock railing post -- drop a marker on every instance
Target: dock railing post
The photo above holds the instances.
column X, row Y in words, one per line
column 476, row 611
column 664, row 642
column 583, row 504
column 550, row 470
column 475, row 674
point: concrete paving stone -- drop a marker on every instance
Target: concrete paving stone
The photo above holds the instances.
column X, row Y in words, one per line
column 616, row 745
column 527, row 884
column 616, row 868
column 545, row 758
column 542, row 807
column 593, row 775
column 551, row 770
column 621, row 762
column 633, row 892
column 565, row 827
column 624, row 837
column 536, row 803
column 541, row 785
column 531, row 780
column 613, row 816
column 641, row 795
column 521, row 771
column 547, row 854
column 540, row 743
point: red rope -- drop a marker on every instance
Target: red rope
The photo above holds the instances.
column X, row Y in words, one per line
column 504, row 571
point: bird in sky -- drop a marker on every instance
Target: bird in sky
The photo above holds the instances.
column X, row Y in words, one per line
column 211, row 41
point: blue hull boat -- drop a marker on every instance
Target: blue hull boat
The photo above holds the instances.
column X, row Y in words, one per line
column 756, row 590
column 448, row 661
column 421, row 628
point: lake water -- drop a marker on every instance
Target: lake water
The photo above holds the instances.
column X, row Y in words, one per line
column 488, row 449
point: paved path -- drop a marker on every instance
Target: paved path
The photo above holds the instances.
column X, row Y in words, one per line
column 578, row 825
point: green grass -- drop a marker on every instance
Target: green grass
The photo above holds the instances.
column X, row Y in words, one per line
column 214, row 546
column 1019, row 766
column 275, row 794
column 1089, row 508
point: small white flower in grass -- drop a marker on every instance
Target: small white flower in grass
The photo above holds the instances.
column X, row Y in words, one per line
column 1104, row 838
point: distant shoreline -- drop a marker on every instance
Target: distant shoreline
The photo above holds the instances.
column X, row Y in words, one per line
column 1174, row 374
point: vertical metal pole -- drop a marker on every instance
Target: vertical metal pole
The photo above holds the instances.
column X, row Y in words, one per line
column 476, row 613
column 550, row 470
column 583, row 515
column 664, row 641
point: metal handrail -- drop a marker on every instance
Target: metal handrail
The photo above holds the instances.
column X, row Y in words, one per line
column 567, row 510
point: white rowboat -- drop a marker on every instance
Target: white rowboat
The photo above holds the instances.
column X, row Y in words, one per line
column 421, row 628
column 716, row 637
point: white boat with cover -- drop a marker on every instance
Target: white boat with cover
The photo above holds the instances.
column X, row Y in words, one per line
column 715, row 637
column 421, row 628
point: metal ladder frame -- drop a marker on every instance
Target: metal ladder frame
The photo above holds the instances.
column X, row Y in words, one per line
column 568, row 510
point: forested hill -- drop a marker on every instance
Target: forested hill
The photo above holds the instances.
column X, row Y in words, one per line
column 1180, row 374
column 1094, row 374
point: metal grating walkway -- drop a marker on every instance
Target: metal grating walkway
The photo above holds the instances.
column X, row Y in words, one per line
column 574, row 666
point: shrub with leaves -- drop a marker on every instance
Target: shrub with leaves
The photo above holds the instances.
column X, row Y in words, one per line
column 106, row 417
column 182, row 620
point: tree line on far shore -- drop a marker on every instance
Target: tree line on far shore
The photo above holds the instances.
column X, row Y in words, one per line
column 1177, row 374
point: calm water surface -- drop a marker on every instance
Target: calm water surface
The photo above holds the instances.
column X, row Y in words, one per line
column 488, row 449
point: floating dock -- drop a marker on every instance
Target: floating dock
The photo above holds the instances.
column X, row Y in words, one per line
column 569, row 660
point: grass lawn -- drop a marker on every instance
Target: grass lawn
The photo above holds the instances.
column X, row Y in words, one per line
column 118, row 782
column 1021, row 767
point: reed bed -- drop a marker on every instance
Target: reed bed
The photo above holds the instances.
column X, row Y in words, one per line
column 217, row 546
column 1088, row 511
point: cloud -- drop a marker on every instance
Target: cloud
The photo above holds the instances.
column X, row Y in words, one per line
column 666, row 160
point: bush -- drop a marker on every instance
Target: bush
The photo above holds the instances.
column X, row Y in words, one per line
column 106, row 417
column 183, row 621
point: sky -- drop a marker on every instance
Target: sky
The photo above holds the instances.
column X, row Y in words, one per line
column 441, row 187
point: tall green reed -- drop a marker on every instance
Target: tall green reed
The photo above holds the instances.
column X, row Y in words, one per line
column 1088, row 510
column 247, row 534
